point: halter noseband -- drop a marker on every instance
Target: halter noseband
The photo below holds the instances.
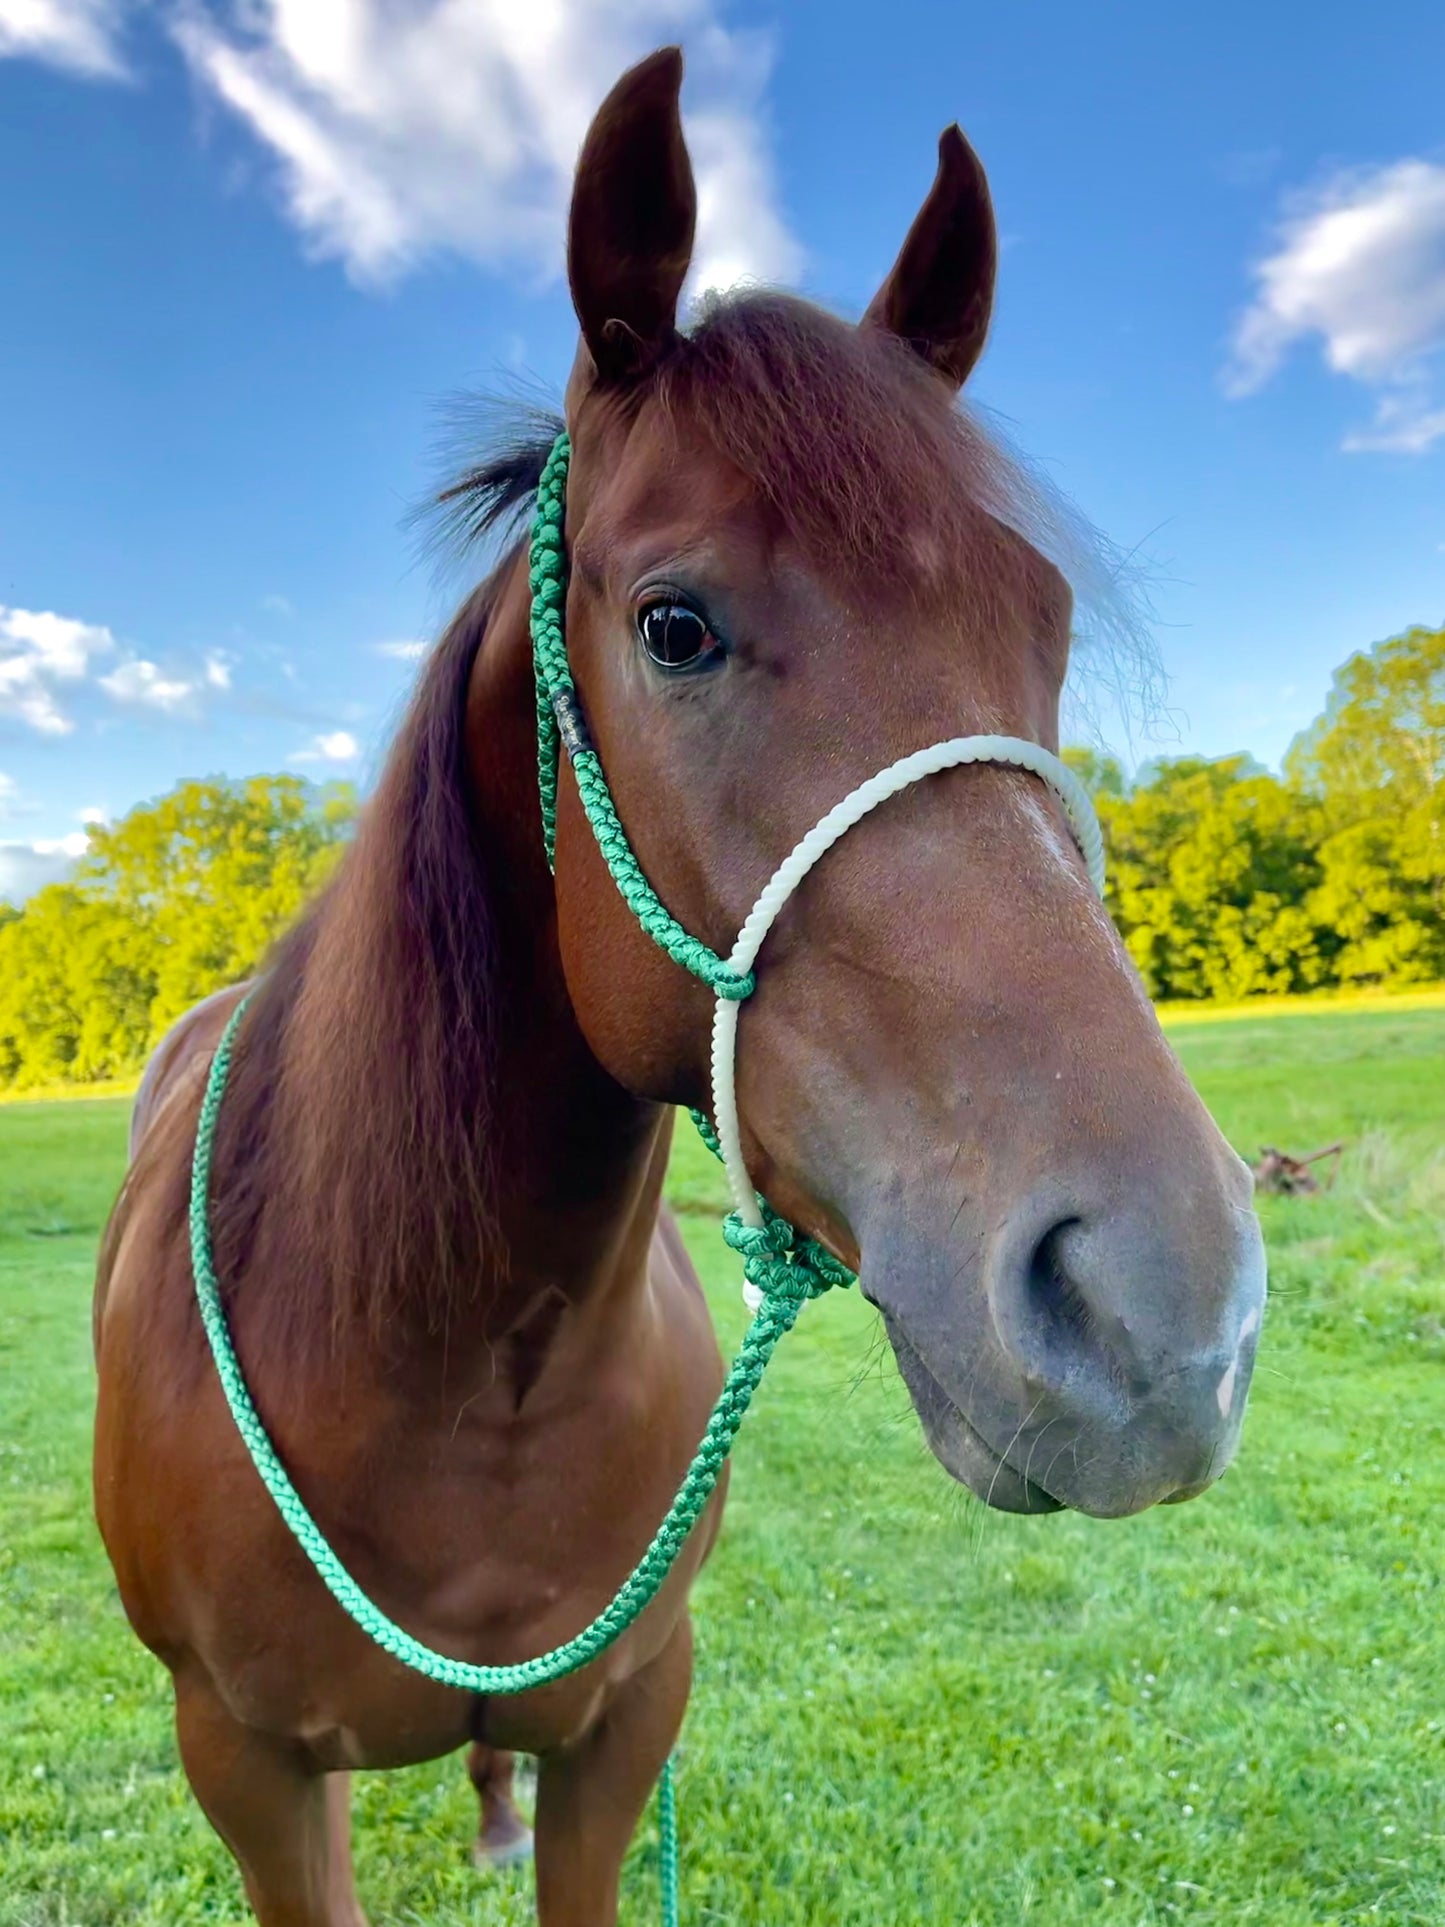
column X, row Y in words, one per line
column 763, row 1238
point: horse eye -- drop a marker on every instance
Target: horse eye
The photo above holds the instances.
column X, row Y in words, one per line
column 674, row 635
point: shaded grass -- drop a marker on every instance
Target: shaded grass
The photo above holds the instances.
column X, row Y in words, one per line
column 907, row 1709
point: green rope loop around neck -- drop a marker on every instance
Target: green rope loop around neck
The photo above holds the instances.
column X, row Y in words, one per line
column 786, row 1285
column 548, row 578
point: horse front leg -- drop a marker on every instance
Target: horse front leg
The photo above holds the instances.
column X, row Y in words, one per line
column 287, row 1825
column 590, row 1798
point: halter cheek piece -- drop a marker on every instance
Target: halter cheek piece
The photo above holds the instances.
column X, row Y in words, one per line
column 753, row 1228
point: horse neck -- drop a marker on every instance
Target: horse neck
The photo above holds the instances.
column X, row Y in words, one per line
column 440, row 1145
column 581, row 1160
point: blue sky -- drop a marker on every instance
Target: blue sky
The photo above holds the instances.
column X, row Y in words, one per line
column 249, row 250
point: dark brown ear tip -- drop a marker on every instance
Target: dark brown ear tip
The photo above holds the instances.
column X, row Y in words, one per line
column 660, row 73
column 956, row 153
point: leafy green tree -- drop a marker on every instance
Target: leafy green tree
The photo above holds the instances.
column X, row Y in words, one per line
column 1379, row 747
column 1100, row 774
column 75, row 990
column 1374, row 765
column 1211, row 863
column 212, row 874
column 182, row 896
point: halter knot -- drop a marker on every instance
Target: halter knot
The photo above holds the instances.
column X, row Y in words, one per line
column 782, row 1266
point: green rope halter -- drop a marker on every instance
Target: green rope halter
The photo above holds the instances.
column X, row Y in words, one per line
column 559, row 716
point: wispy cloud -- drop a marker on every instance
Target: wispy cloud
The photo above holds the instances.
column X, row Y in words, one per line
column 143, row 685
column 332, row 746
column 48, row 660
column 451, row 126
column 1359, row 264
column 404, row 651
column 13, row 803
column 82, row 36
column 1248, row 166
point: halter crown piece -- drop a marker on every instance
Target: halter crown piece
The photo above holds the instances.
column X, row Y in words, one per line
column 782, row 1267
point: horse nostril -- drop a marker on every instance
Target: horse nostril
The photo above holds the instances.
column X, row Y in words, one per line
column 1122, row 1327
column 1058, row 1309
column 1056, row 1317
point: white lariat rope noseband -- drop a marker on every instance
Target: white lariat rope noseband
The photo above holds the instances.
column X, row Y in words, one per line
column 1014, row 751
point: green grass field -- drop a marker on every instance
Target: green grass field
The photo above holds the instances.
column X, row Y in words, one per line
column 907, row 1709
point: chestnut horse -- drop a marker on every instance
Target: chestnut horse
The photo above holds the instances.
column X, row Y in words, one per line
column 468, row 1323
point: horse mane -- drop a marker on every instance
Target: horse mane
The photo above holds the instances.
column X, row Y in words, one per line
column 353, row 1154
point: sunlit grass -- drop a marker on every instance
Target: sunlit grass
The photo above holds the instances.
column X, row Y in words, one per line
column 907, row 1709
column 1329, row 1003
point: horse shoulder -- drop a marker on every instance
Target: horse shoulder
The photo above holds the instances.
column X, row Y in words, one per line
column 190, row 1039
column 176, row 1067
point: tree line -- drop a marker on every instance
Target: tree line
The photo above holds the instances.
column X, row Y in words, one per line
column 1228, row 882
column 180, row 897
column 1225, row 880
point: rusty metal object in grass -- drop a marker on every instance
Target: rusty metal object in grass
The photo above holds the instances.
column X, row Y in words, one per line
column 1279, row 1175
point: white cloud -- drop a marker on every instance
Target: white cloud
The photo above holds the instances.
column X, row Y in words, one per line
column 453, row 126
column 1360, row 264
column 741, row 236
column 43, row 654
column 146, row 686
column 278, row 605
column 334, row 746
column 401, row 651
column 80, row 35
column 38, row 651
column 74, row 845
column 93, row 813
column 12, row 804
column 27, row 867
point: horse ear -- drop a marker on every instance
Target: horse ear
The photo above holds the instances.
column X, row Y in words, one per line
column 634, row 208
column 939, row 292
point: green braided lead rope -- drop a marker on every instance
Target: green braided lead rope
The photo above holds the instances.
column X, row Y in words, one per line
column 555, row 688
column 785, row 1283
column 667, row 1854
column 777, row 1244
